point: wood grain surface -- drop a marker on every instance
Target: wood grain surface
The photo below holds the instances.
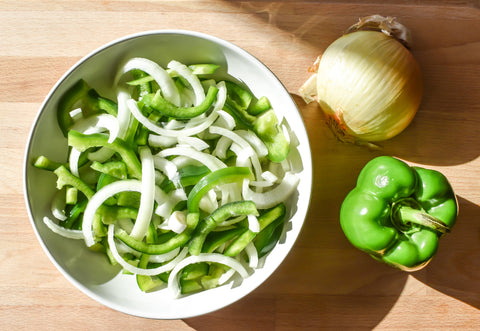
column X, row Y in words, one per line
column 324, row 283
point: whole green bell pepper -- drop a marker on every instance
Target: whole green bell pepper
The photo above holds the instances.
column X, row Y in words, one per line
column 397, row 213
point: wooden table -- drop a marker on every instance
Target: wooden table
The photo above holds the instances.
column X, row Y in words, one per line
column 324, row 283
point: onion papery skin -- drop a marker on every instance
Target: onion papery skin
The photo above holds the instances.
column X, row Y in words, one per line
column 369, row 86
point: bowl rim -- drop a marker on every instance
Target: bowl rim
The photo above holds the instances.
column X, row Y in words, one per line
column 306, row 161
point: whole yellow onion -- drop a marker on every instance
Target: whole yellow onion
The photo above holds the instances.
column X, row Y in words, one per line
column 367, row 83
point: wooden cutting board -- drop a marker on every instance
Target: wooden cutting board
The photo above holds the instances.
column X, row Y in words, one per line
column 324, row 283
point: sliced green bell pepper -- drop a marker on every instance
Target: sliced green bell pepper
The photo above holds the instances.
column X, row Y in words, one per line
column 258, row 116
column 91, row 102
column 147, row 283
column 397, row 213
column 82, row 142
column 216, row 239
column 265, row 219
column 117, row 169
column 221, row 214
column 218, row 177
column 158, row 103
column 43, row 162
column 65, row 177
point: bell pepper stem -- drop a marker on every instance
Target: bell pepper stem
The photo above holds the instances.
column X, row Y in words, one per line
column 404, row 215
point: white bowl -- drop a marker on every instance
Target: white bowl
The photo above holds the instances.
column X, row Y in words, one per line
column 90, row 272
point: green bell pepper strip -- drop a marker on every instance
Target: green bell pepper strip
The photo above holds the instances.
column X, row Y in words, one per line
column 246, row 237
column 266, row 240
column 158, row 103
column 65, row 105
column 259, row 106
column 129, row 199
column 117, row 169
column 97, row 103
column 194, row 271
column 397, row 213
column 82, row 142
column 147, row 283
column 267, row 129
column 191, row 276
column 43, row 162
column 238, row 97
column 258, row 116
column 80, row 92
column 156, row 249
column 71, row 195
column 74, row 214
column 203, row 68
column 232, row 209
column 110, row 214
column 215, row 239
column 217, row 177
column 65, row 177
column 143, row 86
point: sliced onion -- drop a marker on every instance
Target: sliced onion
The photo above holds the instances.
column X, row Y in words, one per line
column 89, row 125
column 192, row 79
column 161, row 141
column 145, row 210
column 177, row 222
column 123, row 114
column 225, row 277
column 95, row 123
column 103, row 194
column 232, row 220
column 173, row 124
column 269, row 176
column 166, row 166
column 231, row 192
column 209, row 202
column 140, row 271
column 73, row 160
column 254, row 141
column 194, row 142
column 228, row 122
column 67, row 233
column 132, row 105
column 58, row 205
column 164, row 209
column 221, row 147
column 99, row 197
column 208, row 160
column 164, row 257
column 253, row 224
column 273, row 197
column 183, row 161
column 76, row 114
column 187, row 97
column 252, row 253
column 269, row 180
column 101, row 155
column 160, row 75
column 221, row 96
column 245, row 146
column 243, row 156
column 203, row 257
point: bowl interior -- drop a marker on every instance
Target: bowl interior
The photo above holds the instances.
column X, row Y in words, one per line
column 90, row 272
